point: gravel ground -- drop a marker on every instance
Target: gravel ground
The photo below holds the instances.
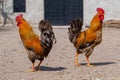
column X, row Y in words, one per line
column 59, row 65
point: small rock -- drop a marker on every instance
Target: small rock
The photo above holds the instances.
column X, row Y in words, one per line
column 95, row 70
column 61, row 73
column 46, row 64
column 98, row 79
column 11, row 61
column 61, row 57
column 118, row 60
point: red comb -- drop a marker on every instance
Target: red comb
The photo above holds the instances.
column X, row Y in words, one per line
column 100, row 10
column 19, row 16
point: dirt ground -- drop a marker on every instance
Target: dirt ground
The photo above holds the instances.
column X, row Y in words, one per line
column 59, row 65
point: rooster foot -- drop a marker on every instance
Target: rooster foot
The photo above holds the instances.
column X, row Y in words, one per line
column 32, row 70
column 76, row 63
column 90, row 65
column 37, row 68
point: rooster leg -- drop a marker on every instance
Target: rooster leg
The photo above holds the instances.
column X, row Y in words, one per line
column 39, row 65
column 76, row 60
column 88, row 62
column 41, row 59
column 87, row 57
column 32, row 69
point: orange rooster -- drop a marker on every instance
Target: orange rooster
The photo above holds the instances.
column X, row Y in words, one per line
column 85, row 41
column 35, row 47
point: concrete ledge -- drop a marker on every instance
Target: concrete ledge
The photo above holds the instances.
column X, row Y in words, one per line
column 112, row 24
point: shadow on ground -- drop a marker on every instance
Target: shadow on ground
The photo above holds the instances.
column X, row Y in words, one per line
column 100, row 63
column 46, row 68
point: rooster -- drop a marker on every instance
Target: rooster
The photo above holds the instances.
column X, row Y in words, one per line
column 37, row 48
column 85, row 41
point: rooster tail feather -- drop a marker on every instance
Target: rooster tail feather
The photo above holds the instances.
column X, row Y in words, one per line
column 75, row 29
column 41, row 25
column 47, row 36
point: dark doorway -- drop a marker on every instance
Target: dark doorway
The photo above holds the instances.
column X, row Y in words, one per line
column 19, row 5
column 61, row 12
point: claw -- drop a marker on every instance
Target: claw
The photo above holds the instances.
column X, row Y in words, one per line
column 37, row 68
column 76, row 63
column 89, row 65
column 32, row 70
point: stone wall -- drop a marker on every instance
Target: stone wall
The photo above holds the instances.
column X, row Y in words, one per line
column 112, row 24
